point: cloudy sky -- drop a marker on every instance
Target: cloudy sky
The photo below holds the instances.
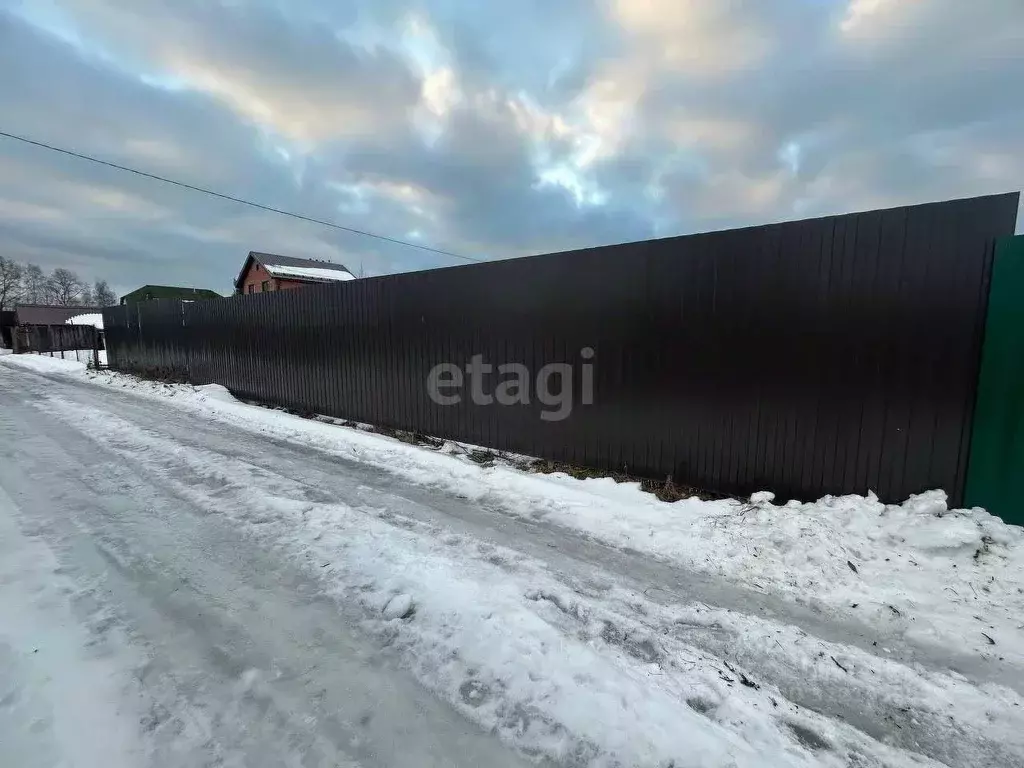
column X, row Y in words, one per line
column 490, row 129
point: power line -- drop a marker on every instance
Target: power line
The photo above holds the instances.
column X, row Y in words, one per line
column 222, row 196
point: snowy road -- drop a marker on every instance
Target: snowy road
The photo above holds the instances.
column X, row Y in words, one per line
column 177, row 590
column 238, row 655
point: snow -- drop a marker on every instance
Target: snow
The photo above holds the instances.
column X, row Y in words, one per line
column 314, row 273
column 62, row 701
column 567, row 661
column 919, row 569
column 94, row 319
column 71, row 363
column 567, row 674
column 215, row 393
column 398, row 607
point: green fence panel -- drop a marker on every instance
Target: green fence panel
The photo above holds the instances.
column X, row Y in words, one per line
column 995, row 475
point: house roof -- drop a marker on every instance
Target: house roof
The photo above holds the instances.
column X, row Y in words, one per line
column 172, row 292
column 44, row 314
column 291, row 268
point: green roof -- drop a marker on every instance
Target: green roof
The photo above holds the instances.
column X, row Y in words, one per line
column 148, row 292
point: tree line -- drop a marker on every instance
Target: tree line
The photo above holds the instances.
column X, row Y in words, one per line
column 28, row 284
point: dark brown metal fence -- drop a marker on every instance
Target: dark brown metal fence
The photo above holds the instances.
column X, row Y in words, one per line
column 55, row 338
column 835, row 355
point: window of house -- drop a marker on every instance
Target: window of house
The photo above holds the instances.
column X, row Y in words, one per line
column 252, row 287
column 265, row 286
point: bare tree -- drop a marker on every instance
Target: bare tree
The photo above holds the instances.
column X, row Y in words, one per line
column 102, row 296
column 85, row 298
column 11, row 285
column 34, row 282
column 65, row 287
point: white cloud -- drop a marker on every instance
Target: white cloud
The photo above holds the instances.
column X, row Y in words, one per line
column 440, row 91
column 696, row 38
column 31, row 212
column 616, row 119
column 864, row 15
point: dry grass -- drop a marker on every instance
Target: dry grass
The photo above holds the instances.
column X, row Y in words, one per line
column 665, row 490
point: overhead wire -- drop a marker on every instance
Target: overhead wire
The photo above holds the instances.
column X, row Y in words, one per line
column 233, row 199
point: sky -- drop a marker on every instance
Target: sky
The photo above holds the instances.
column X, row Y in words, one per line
column 488, row 129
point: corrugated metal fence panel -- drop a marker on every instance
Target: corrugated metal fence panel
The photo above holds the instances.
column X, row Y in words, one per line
column 113, row 331
column 833, row 355
column 55, row 338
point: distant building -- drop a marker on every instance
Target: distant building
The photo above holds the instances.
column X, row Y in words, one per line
column 264, row 272
column 150, row 292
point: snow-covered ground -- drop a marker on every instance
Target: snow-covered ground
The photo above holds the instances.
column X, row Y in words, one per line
column 80, row 358
column 587, row 622
column 62, row 693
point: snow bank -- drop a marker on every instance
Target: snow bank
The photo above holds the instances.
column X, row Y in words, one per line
column 920, row 571
column 69, row 365
column 94, row 319
column 215, row 393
